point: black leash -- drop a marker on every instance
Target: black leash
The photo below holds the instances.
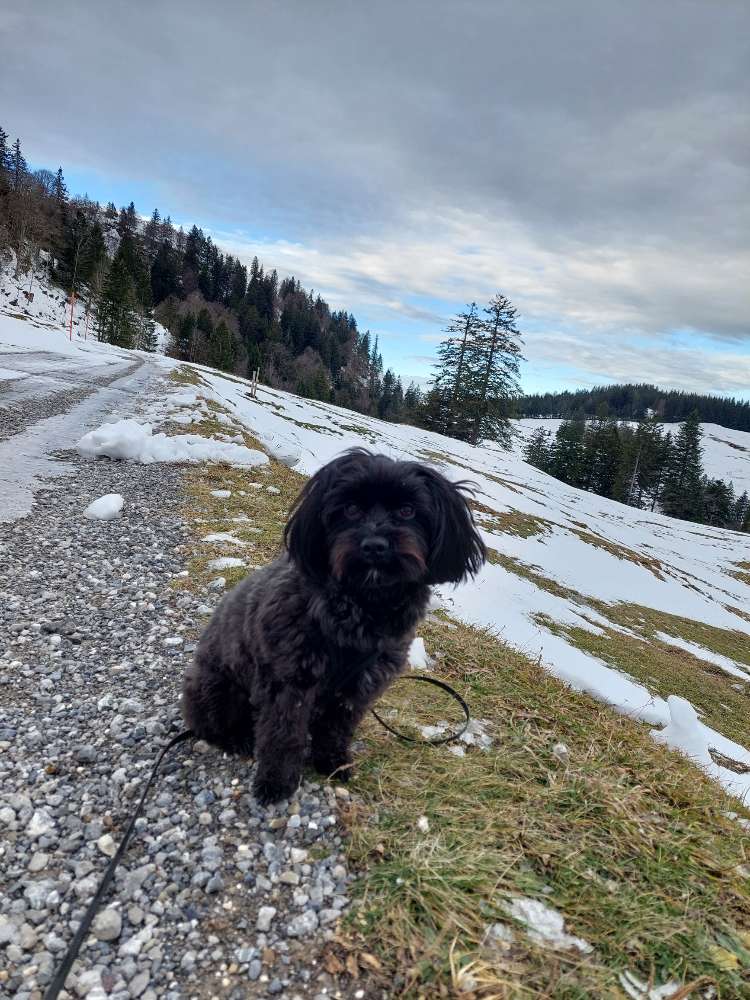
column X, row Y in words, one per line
column 58, row 983
column 75, row 945
column 442, row 739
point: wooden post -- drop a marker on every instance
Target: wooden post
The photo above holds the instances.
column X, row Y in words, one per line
column 72, row 303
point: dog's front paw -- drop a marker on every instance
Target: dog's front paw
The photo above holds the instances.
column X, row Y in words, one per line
column 340, row 768
column 270, row 790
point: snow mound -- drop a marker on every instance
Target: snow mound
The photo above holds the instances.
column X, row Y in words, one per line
column 282, row 451
column 105, row 508
column 544, row 924
column 130, row 441
column 685, row 732
column 419, row 659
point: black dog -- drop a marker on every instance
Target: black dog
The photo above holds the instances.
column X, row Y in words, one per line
column 304, row 646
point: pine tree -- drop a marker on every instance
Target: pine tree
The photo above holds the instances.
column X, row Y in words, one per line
column 223, row 348
column 718, row 503
column 4, row 151
column 152, row 234
column 494, row 373
column 567, row 459
column 455, row 355
column 127, row 223
column 602, row 457
column 165, row 277
column 60, row 188
column 118, row 320
column 184, row 337
column 741, row 512
column 18, row 168
column 538, row 449
column 682, row 493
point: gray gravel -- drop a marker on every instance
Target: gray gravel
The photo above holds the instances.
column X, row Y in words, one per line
column 217, row 897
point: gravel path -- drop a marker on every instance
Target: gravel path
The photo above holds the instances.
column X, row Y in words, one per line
column 47, row 393
column 217, row 897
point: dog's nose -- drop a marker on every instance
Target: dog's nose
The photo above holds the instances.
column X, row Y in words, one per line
column 374, row 546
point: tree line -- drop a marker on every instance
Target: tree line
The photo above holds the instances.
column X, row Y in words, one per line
column 642, row 466
column 633, row 402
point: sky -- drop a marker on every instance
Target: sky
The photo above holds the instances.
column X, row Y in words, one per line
column 588, row 159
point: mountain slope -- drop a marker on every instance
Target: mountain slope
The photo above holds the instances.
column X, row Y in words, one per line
column 630, row 606
column 555, row 813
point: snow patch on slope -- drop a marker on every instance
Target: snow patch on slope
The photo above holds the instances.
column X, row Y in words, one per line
column 133, row 442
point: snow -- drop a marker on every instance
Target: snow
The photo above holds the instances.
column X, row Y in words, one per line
column 686, row 733
column 225, row 562
column 131, row 441
column 26, row 458
column 418, row 657
column 105, row 508
column 475, row 734
column 223, row 537
column 637, row 989
column 544, row 925
column 44, row 323
column 221, row 494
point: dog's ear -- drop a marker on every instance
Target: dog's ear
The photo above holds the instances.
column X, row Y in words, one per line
column 457, row 549
column 304, row 536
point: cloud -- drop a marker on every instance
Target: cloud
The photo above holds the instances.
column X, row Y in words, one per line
column 646, row 286
column 589, row 159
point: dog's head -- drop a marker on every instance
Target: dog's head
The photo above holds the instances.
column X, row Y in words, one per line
column 369, row 521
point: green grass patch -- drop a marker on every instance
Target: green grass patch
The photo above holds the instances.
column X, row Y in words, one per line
column 626, row 840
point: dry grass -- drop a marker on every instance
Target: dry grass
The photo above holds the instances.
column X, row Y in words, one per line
column 627, row 840
column 620, row 551
column 510, row 522
column 742, row 572
column 186, row 376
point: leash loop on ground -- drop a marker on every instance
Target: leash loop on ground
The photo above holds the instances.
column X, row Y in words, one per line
column 442, row 739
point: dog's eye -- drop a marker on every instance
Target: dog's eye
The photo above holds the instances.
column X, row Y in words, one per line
column 352, row 511
column 406, row 511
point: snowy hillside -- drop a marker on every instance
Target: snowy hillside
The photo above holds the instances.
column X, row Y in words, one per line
column 726, row 453
column 46, row 306
column 604, row 595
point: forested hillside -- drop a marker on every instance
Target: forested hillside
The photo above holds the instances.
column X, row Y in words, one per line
column 633, row 402
column 130, row 270
column 640, row 465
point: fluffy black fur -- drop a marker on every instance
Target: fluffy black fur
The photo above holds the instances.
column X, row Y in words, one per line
column 297, row 652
